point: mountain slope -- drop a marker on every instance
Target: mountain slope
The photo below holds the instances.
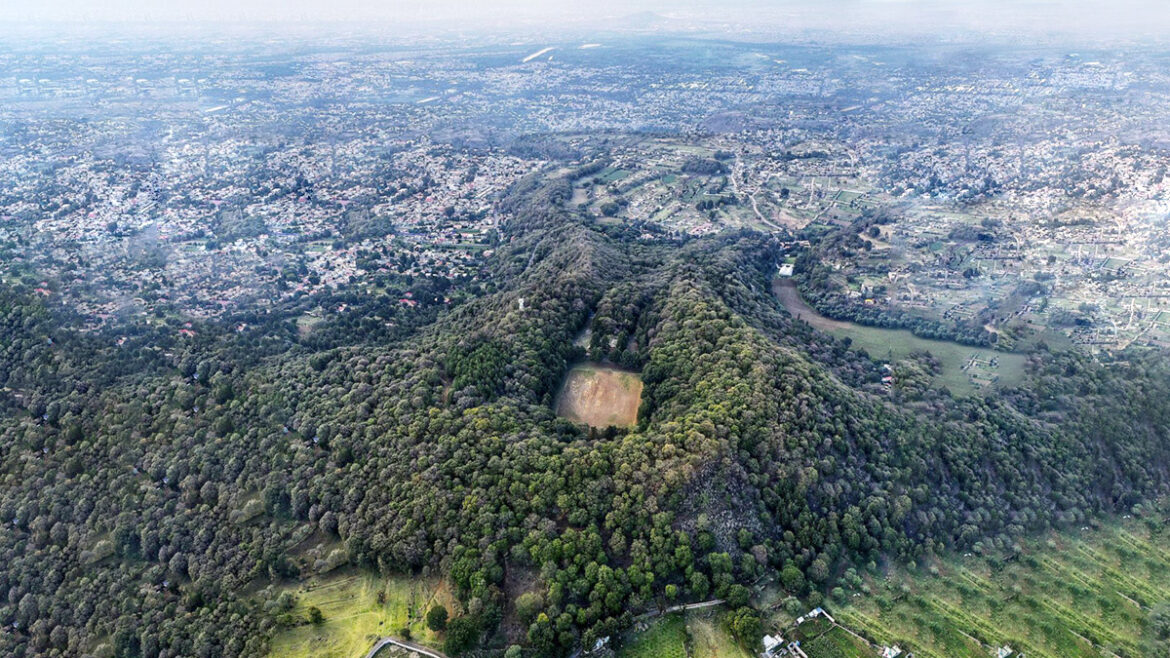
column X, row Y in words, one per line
column 140, row 522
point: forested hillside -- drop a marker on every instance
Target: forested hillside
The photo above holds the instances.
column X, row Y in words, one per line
column 143, row 505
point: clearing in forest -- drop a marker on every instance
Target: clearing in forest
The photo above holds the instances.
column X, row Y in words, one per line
column 600, row 396
column 359, row 608
column 695, row 634
column 965, row 369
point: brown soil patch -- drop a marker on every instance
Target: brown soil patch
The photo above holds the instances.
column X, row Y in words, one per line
column 600, row 397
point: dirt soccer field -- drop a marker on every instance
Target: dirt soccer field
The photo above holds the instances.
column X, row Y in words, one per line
column 599, row 396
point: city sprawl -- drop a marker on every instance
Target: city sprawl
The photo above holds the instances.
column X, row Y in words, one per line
column 1022, row 194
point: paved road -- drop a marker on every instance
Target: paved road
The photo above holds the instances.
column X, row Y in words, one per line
column 405, row 645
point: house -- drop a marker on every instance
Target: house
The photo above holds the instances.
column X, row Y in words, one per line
column 891, row 652
column 813, row 614
column 771, row 644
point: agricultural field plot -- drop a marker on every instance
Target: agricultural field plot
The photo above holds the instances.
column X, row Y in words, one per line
column 820, row 639
column 837, row 643
column 965, row 369
column 354, row 617
column 600, row 396
column 700, row 634
column 1084, row 593
column 705, row 187
column 650, row 181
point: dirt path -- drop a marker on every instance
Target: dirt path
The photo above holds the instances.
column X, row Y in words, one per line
column 678, row 608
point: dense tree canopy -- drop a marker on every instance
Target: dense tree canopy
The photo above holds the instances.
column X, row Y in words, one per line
column 141, row 501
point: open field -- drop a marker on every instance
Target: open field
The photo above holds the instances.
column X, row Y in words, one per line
column 600, row 396
column 964, row 367
column 354, row 619
column 1084, row 593
column 307, row 323
column 709, row 636
column 698, row 634
column 666, row 638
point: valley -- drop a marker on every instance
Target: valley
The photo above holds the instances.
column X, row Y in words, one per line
column 964, row 369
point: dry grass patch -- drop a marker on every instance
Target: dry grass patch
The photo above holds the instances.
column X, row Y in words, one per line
column 600, row 397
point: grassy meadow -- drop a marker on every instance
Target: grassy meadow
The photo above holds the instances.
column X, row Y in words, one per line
column 698, row 634
column 895, row 344
column 354, row 617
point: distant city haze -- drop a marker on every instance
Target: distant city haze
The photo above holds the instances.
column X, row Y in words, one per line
column 1086, row 19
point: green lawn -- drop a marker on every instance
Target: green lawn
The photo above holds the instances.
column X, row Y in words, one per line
column 895, row 344
column 354, row 619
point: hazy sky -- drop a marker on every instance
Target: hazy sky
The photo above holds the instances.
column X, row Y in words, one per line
column 1125, row 18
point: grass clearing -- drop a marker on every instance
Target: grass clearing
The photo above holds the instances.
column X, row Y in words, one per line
column 837, row 643
column 697, row 634
column 964, row 368
column 600, row 396
column 307, row 323
column 710, row 638
column 354, row 618
column 665, row 638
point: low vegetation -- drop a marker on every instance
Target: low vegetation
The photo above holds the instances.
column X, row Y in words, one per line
column 699, row 634
column 962, row 369
column 357, row 609
column 1082, row 593
column 600, row 396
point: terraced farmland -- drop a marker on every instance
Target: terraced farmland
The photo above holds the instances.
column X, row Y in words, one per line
column 1085, row 593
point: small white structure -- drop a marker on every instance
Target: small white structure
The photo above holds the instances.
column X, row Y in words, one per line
column 813, row 614
column 771, row 644
column 891, row 652
column 785, row 269
column 1003, row 652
